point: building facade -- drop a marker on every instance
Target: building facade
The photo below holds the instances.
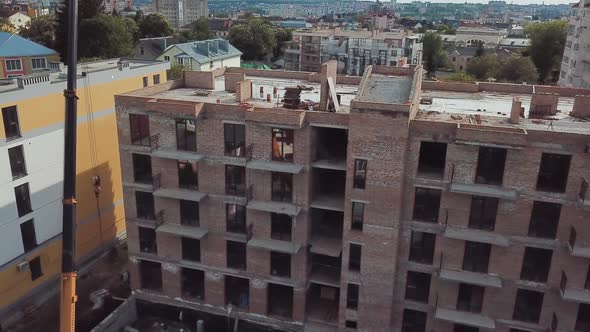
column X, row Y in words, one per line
column 181, row 12
column 31, row 173
column 20, row 56
column 575, row 67
column 404, row 206
column 204, row 55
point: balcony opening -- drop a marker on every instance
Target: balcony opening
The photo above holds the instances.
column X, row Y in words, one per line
column 235, row 180
column 476, row 257
column 357, row 216
column 27, row 231
column 18, row 167
column 465, row 328
column 536, row 264
column 360, row 174
column 322, row 303
column 490, row 166
column 150, row 275
column 544, row 220
column 144, row 203
column 142, row 168
column 186, row 135
column 235, row 218
column 280, row 264
column 139, row 127
column 432, row 159
column 236, row 255
column 354, row 259
column 188, row 175
column 11, row 126
column 553, row 172
column 328, row 188
column 352, row 297
column 330, row 144
column 418, row 286
column 350, row 324
column 23, row 199
column 283, row 145
column 35, row 267
column 327, row 228
column 193, row 284
column 280, row 300
column 427, row 204
column 414, row 321
column 191, row 249
column 528, row 305
column 147, row 240
column 235, row 139
column 422, row 247
column 470, row 298
column 237, row 291
column 280, row 226
column 189, row 213
column 483, row 213
column 281, row 187
column 325, row 268
column 583, row 319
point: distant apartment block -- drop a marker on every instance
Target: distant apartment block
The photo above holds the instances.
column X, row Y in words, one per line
column 181, row 12
column 318, row 202
column 118, row 5
column 354, row 50
column 575, row 65
column 31, row 174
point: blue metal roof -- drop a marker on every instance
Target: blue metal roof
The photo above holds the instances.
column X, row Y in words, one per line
column 12, row 45
column 207, row 50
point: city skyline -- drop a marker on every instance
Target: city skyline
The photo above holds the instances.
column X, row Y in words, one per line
column 515, row 2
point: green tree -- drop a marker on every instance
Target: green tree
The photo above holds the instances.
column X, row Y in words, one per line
column 547, row 44
column 460, row 77
column 199, row 30
column 105, row 36
column 255, row 38
column 282, row 36
column 154, row 25
column 138, row 16
column 6, row 26
column 484, row 67
column 175, row 71
column 41, row 29
column 86, row 9
column 132, row 28
column 518, row 70
column 433, row 53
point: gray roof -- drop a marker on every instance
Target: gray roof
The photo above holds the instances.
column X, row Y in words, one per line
column 207, row 50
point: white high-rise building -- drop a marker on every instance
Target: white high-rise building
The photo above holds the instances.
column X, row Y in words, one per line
column 181, row 12
column 575, row 72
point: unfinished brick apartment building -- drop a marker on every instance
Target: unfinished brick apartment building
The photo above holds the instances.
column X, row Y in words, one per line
column 316, row 202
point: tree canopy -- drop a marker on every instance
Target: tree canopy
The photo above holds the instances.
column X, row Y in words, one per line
column 41, row 29
column 86, row 9
column 105, row 36
column 547, row 45
column 6, row 26
column 509, row 69
column 433, row 53
column 154, row 25
column 484, row 67
column 199, row 30
column 256, row 38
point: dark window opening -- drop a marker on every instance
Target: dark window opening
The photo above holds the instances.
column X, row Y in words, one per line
column 326, row 224
column 470, row 298
column 326, row 267
column 422, row 247
column 188, row 175
column 280, row 300
column 23, row 199
column 544, row 220
column 490, row 166
column 483, row 212
column 147, row 240
column 281, row 187
column 235, row 139
column 156, row 79
column 360, row 174
column 329, row 187
column 331, row 144
column 144, row 202
column 142, row 168
column 35, row 267
column 11, row 126
column 18, row 167
column 139, row 126
column 186, row 135
column 189, row 213
column 418, row 286
column 414, row 321
column 517, row 330
column 235, row 218
column 282, row 144
column 354, row 260
column 235, row 180
column 427, row 204
column 236, row 255
column 583, row 319
column 193, row 283
column 280, row 226
column 476, row 257
column 465, row 328
column 553, row 172
column 27, row 231
column 237, row 291
column 432, row 159
column 191, row 249
column 587, row 282
column 352, row 297
column 322, row 303
column 350, row 324
column 358, row 212
column 527, row 307
column 280, row 264
column 536, row 264
column 145, row 81
column 150, row 275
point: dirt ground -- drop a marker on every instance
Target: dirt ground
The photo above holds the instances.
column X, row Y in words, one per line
column 103, row 273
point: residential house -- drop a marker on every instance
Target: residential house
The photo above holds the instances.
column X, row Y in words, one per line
column 20, row 56
column 151, row 48
column 17, row 18
column 458, row 58
column 204, row 55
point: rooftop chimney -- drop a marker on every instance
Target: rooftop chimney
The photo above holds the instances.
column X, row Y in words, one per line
column 328, row 73
column 515, row 112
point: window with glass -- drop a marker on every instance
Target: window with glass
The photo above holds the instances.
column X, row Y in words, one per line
column 360, row 174
column 186, row 135
column 11, row 125
column 23, row 199
column 39, row 63
column 16, row 156
column 156, row 79
column 13, row 64
column 235, row 139
column 282, row 144
column 358, row 211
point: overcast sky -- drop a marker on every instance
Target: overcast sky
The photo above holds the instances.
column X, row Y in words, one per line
column 516, row 2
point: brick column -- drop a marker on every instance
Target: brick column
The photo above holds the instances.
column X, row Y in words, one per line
column 171, row 280
column 258, row 296
column 214, row 288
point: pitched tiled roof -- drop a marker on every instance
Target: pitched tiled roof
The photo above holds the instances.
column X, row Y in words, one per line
column 12, row 45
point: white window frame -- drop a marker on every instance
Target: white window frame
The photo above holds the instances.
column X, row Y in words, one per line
column 20, row 62
column 38, row 68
